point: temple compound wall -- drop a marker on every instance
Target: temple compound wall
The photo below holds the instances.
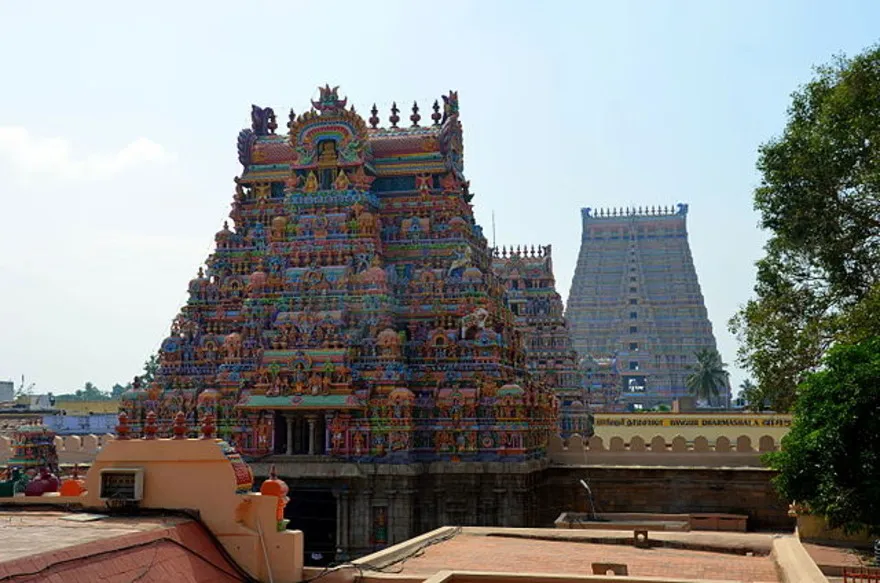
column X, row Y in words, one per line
column 635, row 310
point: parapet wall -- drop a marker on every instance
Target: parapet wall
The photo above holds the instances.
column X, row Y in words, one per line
column 616, row 450
column 72, row 449
column 657, row 450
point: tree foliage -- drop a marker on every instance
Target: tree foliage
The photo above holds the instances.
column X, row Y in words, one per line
column 709, row 375
column 151, row 367
column 89, row 392
column 830, row 460
column 820, row 199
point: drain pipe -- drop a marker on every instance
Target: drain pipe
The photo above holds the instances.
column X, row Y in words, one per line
column 590, row 498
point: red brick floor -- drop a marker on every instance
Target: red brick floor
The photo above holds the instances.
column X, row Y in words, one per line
column 502, row 554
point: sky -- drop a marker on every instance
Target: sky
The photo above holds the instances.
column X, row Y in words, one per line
column 118, row 128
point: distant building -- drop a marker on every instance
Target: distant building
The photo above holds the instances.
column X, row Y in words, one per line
column 635, row 298
column 41, row 402
column 7, row 391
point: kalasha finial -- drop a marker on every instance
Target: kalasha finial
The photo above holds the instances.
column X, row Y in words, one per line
column 179, row 427
column 122, row 428
column 394, row 117
column 374, row 118
column 150, row 426
column 436, row 116
column 291, row 117
column 415, row 117
column 208, row 426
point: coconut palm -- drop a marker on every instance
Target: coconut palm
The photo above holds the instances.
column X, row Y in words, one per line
column 709, row 375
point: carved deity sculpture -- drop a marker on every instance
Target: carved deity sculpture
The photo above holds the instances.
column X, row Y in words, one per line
column 462, row 260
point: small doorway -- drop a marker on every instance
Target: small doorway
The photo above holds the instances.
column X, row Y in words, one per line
column 313, row 511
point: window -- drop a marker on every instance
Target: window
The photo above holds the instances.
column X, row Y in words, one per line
column 634, row 346
column 633, row 290
column 633, row 365
column 633, row 329
column 633, row 301
column 632, row 278
column 633, row 315
column 635, row 384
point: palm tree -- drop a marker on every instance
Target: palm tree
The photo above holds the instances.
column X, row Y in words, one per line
column 709, row 375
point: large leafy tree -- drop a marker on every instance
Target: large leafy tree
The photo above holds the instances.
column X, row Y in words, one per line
column 819, row 198
column 709, row 375
column 830, row 460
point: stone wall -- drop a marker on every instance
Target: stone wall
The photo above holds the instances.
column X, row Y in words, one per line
column 417, row 498
column 667, row 490
column 658, row 450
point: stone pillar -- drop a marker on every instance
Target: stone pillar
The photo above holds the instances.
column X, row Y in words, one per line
column 311, row 436
column 289, row 420
column 343, row 517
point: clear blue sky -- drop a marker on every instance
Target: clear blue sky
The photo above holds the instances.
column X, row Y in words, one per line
column 118, row 124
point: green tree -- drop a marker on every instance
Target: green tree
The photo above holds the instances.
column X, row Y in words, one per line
column 709, row 376
column 751, row 395
column 89, row 392
column 820, row 199
column 830, row 460
column 117, row 390
column 151, row 367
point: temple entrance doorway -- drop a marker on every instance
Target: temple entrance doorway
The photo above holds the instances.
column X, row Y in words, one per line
column 313, row 511
column 299, row 433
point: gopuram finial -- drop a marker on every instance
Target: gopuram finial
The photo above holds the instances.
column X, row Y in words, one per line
column 328, row 100
column 394, row 117
column 374, row 118
column 436, row 115
column 415, row 117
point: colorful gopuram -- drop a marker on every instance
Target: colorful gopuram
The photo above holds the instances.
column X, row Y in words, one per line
column 537, row 308
column 635, row 306
column 350, row 309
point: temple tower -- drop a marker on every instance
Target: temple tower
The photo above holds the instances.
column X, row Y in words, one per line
column 635, row 300
column 351, row 310
column 537, row 306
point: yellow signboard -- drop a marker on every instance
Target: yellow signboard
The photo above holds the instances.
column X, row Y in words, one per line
column 690, row 421
column 691, row 425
